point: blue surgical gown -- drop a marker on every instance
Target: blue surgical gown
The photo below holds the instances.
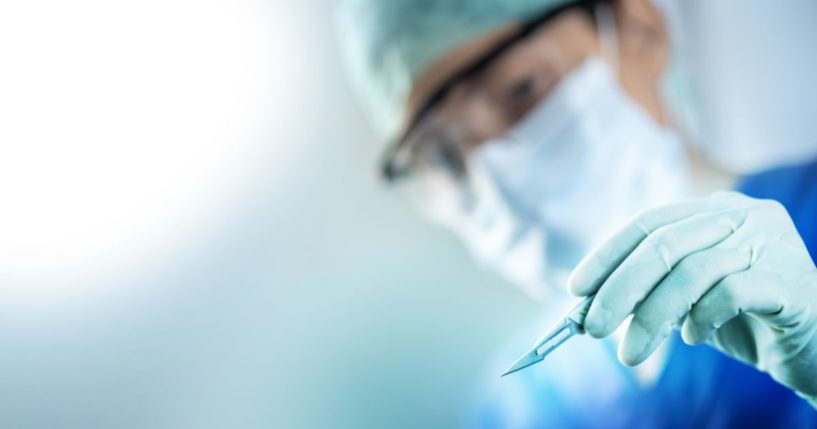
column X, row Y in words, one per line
column 583, row 385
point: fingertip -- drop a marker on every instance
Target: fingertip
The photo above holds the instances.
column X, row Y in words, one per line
column 576, row 289
column 690, row 334
column 636, row 346
column 596, row 329
column 593, row 332
column 688, row 340
column 627, row 357
column 577, row 283
column 601, row 320
column 591, row 327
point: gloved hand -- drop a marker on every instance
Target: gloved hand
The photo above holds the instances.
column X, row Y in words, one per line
column 730, row 270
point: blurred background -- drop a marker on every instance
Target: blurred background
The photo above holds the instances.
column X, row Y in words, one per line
column 192, row 233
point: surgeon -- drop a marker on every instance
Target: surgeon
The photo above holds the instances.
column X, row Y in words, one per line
column 541, row 133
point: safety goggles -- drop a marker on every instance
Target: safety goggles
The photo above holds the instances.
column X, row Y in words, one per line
column 430, row 143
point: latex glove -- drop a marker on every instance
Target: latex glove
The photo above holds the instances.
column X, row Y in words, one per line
column 730, row 270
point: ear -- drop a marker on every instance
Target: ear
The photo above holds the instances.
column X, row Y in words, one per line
column 643, row 43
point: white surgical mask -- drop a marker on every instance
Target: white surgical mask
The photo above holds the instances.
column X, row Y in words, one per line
column 582, row 162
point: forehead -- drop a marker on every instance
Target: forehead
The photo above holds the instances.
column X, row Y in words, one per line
column 563, row 32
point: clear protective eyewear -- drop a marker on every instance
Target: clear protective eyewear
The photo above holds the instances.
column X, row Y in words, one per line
column 428, row 144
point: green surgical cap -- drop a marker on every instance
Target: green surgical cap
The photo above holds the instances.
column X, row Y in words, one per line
column 388, row 43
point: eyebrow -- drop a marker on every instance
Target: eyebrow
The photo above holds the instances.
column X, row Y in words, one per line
column 476, row 66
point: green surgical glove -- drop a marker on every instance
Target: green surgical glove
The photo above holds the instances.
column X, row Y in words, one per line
column 731, row 270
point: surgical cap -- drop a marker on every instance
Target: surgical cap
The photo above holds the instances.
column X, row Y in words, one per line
column 388, row 43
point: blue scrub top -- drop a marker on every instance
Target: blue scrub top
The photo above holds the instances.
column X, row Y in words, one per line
column 584, row 386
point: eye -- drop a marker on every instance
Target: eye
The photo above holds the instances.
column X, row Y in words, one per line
column 521, row 96
column 521, row 90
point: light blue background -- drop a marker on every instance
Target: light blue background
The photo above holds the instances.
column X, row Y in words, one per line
column 310, row 298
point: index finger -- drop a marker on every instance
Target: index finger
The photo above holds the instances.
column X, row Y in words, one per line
column 594, row 269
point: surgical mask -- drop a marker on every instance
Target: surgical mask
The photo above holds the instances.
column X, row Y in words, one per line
column 583, row 161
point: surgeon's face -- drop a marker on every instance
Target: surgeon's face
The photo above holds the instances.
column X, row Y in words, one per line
column 487, row 104
column 519, row 208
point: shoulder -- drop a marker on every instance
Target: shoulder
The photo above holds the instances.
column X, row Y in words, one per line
column 785, row 184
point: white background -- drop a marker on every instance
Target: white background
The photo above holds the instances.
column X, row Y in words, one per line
column 192, row 236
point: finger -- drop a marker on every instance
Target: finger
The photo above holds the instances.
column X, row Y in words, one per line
column 594, row 269
column 754, row 291
column 650, row 262
column 667, row 305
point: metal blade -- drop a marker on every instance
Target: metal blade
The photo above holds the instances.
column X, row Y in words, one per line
column 525, row 361
column 558, row 335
